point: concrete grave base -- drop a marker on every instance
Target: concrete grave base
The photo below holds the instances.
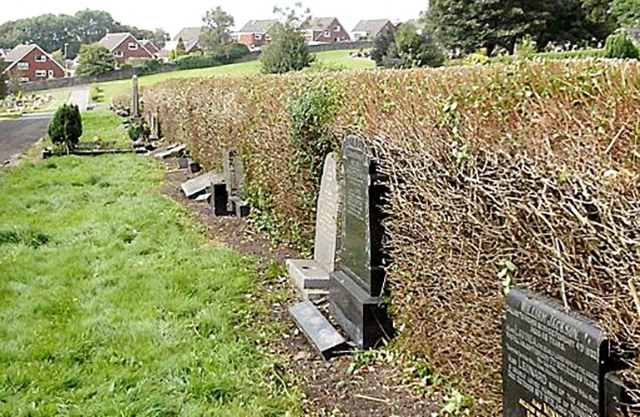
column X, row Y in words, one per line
column 362, row 316
column 309, row 278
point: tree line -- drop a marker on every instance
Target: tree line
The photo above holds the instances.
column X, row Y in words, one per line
column 51, row 32
column 499, row 24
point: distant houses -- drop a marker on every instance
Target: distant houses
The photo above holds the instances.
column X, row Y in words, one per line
column 370, row 29
column 255, row 33
column 190, row 38
column 326, row 30
column 125, row 46
column 32, row 63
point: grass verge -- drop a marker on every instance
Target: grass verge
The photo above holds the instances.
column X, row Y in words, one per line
column 115, row 304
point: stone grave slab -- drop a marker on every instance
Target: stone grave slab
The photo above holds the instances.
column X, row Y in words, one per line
column 322, row 335
column 311, row 277
column 554, row 362
column 172, row 152
column 356, row 287
column 203, row 197
column 200, row 184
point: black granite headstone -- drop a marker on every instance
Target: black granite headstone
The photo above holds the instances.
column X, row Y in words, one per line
column 356, row 287
column 554, row 362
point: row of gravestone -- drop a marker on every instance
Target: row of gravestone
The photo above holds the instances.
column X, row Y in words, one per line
column 555, row 363
column 224, row 190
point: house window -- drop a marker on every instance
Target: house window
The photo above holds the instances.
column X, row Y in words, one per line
column 118, row 54
column 41, row 73
column 326, row 34
column 24, row 79
column 133, row 46
column 257, row 36
column 23, row 66
column 338, row 28
column 41, row 58
column 51, row 74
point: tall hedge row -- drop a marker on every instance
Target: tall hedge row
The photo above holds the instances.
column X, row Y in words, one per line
column 522, row 174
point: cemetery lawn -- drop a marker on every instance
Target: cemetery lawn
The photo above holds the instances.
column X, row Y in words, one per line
column 341, row 58
column 114, row 302
column 103, row 125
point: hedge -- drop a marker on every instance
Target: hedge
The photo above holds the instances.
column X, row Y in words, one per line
column 522, row 174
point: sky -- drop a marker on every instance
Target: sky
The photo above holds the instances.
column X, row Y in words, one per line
column 146, row 14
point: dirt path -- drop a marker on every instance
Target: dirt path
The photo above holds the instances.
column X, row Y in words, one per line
column 80, row 97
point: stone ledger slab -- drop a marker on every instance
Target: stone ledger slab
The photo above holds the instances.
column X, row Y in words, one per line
column 201, row 184
column 322, row 335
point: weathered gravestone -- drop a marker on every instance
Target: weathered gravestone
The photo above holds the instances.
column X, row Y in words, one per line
column 554, row 363
column 135, row 106
column 311, row 277
column 232, row 167
column 154, row 127
column 356, row 288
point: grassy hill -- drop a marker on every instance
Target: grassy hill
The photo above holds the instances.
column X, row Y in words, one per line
column 329, row 58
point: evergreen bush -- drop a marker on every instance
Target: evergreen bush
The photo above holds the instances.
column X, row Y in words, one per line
column 618, row 45
column 65, row 128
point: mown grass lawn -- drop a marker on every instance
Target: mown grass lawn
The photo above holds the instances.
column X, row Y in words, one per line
column 113, row 302
column 341, row 58
column 103, row 125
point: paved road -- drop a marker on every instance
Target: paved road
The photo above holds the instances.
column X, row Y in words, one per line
column 15, row 135
column 80, row 97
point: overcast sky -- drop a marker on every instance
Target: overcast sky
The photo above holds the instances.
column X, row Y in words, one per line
column 175, row 15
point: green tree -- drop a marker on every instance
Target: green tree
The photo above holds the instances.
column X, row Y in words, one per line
column 180, row 48
column 65, row 128
column 381, row 45
column 160, row 37
column 487, row 24
column 411, row 49
column 626, row 12
column 216, row 34
column 288, row 49
column 95, row 59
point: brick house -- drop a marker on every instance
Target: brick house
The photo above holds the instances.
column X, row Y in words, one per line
column 255, row 33
column 371, row 29
column 150, row 46
column 32, row 63
column 124, row 46
column 326, row 30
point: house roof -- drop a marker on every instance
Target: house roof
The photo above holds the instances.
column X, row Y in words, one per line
column 321, row 23
column 19, row 52
column 258, row 26
column 16, row 54
column 113, row 40
column 151, row 47
column 172, row 45
column 189, row 34
column 371, row 27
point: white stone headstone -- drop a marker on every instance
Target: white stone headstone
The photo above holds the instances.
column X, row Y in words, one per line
column 326, row 216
